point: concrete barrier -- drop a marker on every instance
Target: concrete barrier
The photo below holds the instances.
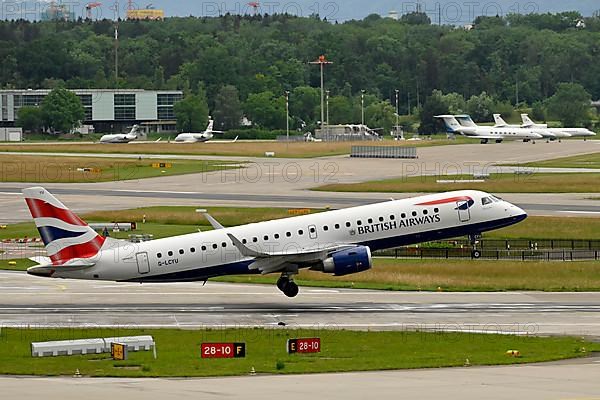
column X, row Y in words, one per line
column 384, row 152
column 90, row 346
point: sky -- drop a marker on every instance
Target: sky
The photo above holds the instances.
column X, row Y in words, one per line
column 455, row 12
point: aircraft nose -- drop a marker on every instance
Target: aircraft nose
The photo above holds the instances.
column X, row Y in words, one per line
column 517, row 212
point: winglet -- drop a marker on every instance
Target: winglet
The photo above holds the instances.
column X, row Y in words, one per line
column 245, row 250
column 215, row 224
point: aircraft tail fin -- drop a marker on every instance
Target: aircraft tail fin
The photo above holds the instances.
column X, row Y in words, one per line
column 65, row 235
column 526, row 120
column 499, row 120
column 452, row 125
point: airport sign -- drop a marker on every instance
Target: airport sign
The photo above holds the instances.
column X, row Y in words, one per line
column 306, row 345
column 223, row 350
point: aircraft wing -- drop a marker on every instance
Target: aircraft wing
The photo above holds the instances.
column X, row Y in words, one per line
column 269, row 262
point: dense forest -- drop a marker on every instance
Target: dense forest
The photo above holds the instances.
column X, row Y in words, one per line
column 258, row 58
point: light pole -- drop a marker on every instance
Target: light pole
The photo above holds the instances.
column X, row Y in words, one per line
column 362, row 109
column 327, row 107
column 397, row 111
column 322, row 61
column 287, row 114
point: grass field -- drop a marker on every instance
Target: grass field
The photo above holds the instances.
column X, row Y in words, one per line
column 244, row 149
column 21, row 265
column 498, row 183
column 179, row 352
column 454, row 276
column 585, row 161
column 53, row 169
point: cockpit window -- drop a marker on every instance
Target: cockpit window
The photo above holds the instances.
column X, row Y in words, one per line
column 485, row 201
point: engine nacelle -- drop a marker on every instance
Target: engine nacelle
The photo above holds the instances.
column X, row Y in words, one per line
column 351, row 261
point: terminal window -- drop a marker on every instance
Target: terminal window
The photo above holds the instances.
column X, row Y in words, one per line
column 124, row 107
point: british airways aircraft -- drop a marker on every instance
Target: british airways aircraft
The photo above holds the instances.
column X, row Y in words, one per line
column 337, row 242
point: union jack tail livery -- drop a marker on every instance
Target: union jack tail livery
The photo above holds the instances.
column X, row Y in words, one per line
column 65, row 235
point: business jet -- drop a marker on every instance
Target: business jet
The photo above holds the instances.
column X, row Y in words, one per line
column 571, row 132
column 123, row 137
column 487, row 133
column 201, row 137
column 537, row 128
column 336, row 242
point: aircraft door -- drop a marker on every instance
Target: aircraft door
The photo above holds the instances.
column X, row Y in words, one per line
column 312, row 231
column 464, row 213
column 142, row 262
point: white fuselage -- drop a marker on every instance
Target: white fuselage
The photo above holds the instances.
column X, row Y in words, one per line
column 499, row 133
column 122, row 138
column 203, row 255
column 194, row 137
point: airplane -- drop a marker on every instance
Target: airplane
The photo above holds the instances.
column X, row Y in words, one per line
column 202, row 137
column 486, row 133
column 121, row 138
column 538, row 128
column 338, row 242
column 572, row 132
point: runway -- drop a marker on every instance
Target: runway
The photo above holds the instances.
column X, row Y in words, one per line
column 30, row 301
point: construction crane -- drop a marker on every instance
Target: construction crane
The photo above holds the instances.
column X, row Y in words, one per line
column 89, row 7
column 255, row 6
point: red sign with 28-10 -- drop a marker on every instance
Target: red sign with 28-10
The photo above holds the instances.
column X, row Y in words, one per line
column 223, row 350
column 307, row 345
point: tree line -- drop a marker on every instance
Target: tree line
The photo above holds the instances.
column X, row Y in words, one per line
column 243, row 65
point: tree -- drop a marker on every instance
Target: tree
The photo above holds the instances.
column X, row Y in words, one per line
column 30, row 119
column 266, row 110
column 416, row 18
column 192, row 113
column 62, row 110
column 305, row 104
column 228, row 108
column 434, row 105
column 381, row 115
column 570, row 104
column 482, row 107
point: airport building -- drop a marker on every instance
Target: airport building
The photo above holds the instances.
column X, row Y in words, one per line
column 107, row 110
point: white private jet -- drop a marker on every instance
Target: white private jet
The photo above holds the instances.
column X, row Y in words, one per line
column 123, row 137
column 486, row 133
column 201, row 137
column 571, row 132
column 537, row 128
column 337, row 242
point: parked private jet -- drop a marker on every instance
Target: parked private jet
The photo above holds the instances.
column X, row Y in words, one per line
column 571, row 132
column 200, row 137
column 123, row 137
column 537, row 128
column 487, row 133
column 337, row 242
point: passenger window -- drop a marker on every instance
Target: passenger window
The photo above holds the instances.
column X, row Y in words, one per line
column 181, row 251
column 170, row 253
column 380, row 219
column 348, row 224
column 266, row 237
column 276, row 236
column 359, row 222
column 425, row 212
column 223, row 244
column 159, row 255
column 244, row 241
column 403, row 215
column 325, row 228
column 215, row 246
column 254, row 239
column 300, row 232
column 392, row 217
column 337, row 226
column 203, row 248
column 370, row 220
column 288, row 234
column 436, row 210
column 312, row 230
column 414, row 213
column 193, row 250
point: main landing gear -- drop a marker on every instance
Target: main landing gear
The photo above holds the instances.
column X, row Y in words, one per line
column 287, row 285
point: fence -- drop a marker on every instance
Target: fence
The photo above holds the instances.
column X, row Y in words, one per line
column 521, row 244
column 465, row 253
column 383, row 152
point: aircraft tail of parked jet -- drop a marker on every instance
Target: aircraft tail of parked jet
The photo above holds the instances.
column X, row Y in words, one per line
column 499, row 121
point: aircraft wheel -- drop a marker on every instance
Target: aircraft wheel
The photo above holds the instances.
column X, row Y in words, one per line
column 282, row 283
column 476, row 254
column 291, row 289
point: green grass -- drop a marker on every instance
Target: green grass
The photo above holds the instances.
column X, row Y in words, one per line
column 179, row 352
column 49, row 169
column 453, row 276
column 21, row 265
column 498, row 183
column 565, row 228
column 584, row 161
